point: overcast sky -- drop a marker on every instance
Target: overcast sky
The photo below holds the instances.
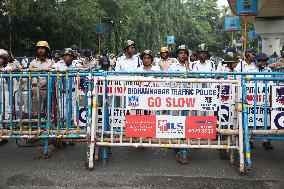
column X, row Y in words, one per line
column 222, row 2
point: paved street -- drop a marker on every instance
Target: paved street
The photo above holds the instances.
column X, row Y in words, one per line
column 136, row 168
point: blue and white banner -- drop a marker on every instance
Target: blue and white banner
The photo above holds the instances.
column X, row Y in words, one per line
column 162, row 98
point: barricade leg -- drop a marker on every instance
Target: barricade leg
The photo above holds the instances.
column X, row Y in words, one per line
column 245, row 126
column 104, row 154
column 45, row 149
column 182, row 156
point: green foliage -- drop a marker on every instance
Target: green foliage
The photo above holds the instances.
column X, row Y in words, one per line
column 147, row 22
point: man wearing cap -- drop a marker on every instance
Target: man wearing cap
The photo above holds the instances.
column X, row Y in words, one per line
column 262, row 59
column 247, row 65
column 182, row 57
column 68, row 60
column 203, row 64
column 56, row 55
column 89, row 62
column 129, row 61
column 77, row 56
column 42, row 61
column 165, row 61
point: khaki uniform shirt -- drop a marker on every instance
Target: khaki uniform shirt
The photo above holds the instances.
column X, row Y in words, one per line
column 40, row 64
column 165, row 64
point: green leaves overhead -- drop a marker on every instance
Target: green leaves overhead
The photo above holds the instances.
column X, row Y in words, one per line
column 147, row 22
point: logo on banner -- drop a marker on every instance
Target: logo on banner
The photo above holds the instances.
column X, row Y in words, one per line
column 133, row 101
column 280, row 95
column 82, row 115
column 170, row 126
column 277, row 120
column 224, row 114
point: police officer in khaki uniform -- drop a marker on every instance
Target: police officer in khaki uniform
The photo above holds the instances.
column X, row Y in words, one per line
column 165, row 61
column 42, row 61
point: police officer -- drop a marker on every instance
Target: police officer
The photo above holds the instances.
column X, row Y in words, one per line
column 68, row 60
column 77, row 54
column 147, row 60
column 182, row 57
column 248, row 64
column 4, row 59
column 42, row 61
column 3, row 65
column 104, row 63
column 56, row 55
column 89, row 62
column 129, row 61
column 15, row 64
column 203, row 64
column 262, row 59
column 165, row 61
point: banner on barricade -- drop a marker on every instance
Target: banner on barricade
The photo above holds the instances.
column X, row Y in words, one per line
column 116, row 116
column 228, row 92
column 257, row 115
column 118, row 87
column 226, row 113
column 161, row 98
column 277, row 118
column 278, row 97
column 259, row 93
column 201, row 127
column 162, row 126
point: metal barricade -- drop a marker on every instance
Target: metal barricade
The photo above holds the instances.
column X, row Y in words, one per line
column 44, row 105
column 263, row 109
column 168, row 112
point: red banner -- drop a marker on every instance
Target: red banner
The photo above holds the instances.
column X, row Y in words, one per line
column 140, row 126
column 201, row 127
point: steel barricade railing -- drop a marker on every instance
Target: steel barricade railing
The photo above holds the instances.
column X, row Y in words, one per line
column 265, row 104
column 44, row 105
column 106, row 132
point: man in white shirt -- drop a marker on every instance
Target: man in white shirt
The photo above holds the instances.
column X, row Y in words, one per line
column 247, row 65
column 128, row 62
column 68, row 60
column 203, row 64
column 182, row 56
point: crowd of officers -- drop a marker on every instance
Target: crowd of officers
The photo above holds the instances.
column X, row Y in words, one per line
column 129, row 60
